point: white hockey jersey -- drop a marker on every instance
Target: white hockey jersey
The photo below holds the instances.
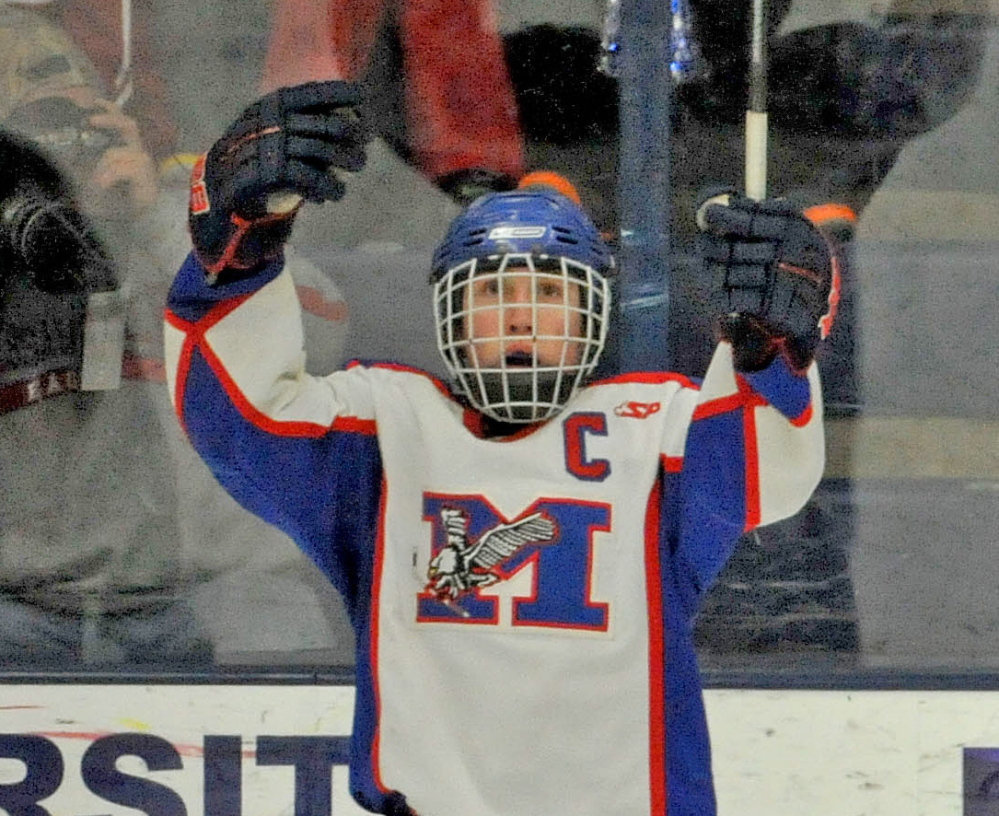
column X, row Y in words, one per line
column 522, row 605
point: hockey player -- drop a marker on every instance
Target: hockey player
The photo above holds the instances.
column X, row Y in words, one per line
column 521, row 553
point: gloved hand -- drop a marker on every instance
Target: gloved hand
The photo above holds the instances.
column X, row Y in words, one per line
column 775, row 276
column 246, row 191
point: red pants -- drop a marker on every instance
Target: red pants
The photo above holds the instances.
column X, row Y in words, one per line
column 461, row 109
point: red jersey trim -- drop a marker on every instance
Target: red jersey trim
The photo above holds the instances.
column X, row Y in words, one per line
column 722, row 405
column 291, row 428
column 183, row 362
column 195, row 339
column 752, row 453
column 373, row 634
column 658, row 786
column 474, row 423
column 804, row 417
column 648, row 378
column 350, row 424
column 671, row 464
column 746, row 397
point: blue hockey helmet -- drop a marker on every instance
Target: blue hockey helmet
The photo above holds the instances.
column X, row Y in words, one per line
column 522, row 300
column 536, row 220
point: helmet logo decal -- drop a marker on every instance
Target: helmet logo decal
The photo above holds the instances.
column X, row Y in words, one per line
column 508, row 233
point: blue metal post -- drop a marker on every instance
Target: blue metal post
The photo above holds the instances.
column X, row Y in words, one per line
column 646, row 94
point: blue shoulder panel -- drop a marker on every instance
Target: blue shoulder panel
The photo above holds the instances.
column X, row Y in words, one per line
column 191, row 297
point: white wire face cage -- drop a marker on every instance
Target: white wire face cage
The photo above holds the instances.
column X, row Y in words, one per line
column 521, row 333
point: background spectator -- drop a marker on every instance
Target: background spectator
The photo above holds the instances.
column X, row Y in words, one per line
column 121, row 52
column 436, row 66
column 91, row 570
column 117, row 546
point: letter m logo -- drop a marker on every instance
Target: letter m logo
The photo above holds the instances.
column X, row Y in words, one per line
column 475, row 547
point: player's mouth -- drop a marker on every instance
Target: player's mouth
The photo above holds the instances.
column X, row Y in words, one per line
column 519, row 359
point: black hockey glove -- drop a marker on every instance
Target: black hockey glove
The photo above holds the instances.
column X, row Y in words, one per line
column 246, row 191
column 775, row 276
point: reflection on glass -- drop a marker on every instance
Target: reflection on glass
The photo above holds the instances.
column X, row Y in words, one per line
column 117, row 548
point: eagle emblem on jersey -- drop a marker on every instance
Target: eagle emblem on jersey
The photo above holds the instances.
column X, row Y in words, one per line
column 463, row 565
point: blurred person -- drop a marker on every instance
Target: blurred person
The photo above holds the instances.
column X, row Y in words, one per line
column 91, row 573
column 201, row 576
column 120, row 48
column 452, row 92
column 53, row 95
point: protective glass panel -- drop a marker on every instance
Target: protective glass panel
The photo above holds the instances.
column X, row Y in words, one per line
column 121, row 551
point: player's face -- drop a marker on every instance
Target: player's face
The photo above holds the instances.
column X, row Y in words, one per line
column 519, row 318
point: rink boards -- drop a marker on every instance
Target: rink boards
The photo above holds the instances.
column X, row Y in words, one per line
column 217, row 750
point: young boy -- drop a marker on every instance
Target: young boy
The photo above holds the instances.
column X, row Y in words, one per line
column 522, row 556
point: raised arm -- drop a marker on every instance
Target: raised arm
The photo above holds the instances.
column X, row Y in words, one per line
column 755, row 450
column 271, row 434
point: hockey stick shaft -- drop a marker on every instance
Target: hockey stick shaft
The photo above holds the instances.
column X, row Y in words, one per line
column 756, row 109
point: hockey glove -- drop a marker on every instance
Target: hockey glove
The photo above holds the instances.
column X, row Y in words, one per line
column 775, row 276
column 246, row 191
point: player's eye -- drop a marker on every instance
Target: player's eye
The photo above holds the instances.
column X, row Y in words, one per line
column 550, row 289
column 486, row 287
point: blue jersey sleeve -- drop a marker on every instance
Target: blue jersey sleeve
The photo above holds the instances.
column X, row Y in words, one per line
column 754, row 454
column 284, row 444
